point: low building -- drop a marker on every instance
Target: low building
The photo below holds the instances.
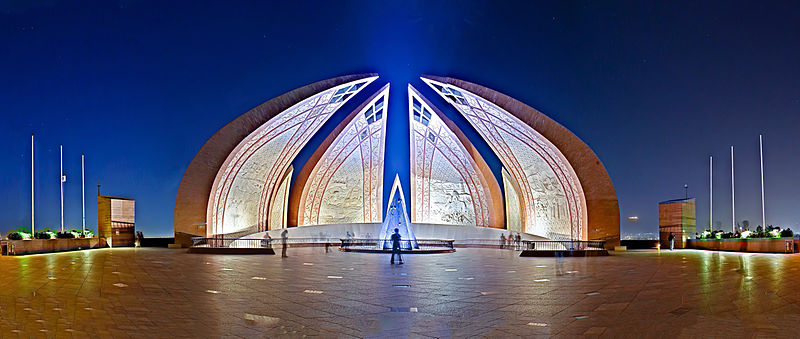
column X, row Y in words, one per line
column 116, row 220
column 676, row 217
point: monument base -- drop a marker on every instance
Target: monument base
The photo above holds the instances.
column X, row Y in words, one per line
column 230, row 250
column 575, row 253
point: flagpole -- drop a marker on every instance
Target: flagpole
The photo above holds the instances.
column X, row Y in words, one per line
column 711, row 193
column 83, row 197
column 33, row 214
column 61, row 179
column 733, row 197
column 761, row 155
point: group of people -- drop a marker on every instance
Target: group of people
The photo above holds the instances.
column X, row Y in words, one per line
column 511, row 240
column 396, row 249
column 267, row 242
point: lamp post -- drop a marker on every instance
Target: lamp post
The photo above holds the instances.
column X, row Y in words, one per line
column 686, row 191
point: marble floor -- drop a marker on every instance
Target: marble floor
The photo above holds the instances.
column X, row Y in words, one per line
column 162, row 293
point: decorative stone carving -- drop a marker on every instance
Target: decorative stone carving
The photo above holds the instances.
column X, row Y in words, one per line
column 277, row 216
column 550, row 195
column 446, row 184
column 346, row 184
column 513, row 215
column 247, row 183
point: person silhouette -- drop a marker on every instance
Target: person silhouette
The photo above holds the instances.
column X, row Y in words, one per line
column 671, row 239
column 266, row 241
column 285, row 238
column 396, row 247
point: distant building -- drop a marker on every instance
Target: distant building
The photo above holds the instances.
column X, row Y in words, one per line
column 115, row 220
column 641, row 236
column 676, row 217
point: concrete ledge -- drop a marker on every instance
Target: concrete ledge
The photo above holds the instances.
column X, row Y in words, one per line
column 34, row 246
column 444, row 250
column 777, row 245
column 230, row 250
column 576, row 253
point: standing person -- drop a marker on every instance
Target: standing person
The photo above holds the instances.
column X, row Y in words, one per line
column 510, row 239
column 671, row 239
column 396, row 246
column 502, row 241
column 348, row 240
column 519, row 242
column 285, row 238
column 266, row 241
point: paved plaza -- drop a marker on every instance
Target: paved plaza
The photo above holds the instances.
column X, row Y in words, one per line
column 127, row 292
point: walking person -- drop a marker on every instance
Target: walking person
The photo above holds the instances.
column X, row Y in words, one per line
column 671, row 239
column 285, row 238
column 519, row 242
column 396, row 247
column 502, row 241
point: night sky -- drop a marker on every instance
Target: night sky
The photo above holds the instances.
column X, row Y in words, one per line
column 653, row 89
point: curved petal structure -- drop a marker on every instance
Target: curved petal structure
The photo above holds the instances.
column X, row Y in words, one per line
column 447, row 186
column 559, row 180
column 242, row 181
column 194, row 191
column 346, row 184
column 260, row 161
column 551, row 197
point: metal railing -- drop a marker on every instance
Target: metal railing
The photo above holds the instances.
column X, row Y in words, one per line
column 372, row 243
column 231, row 242
column 422, row 244
column 564, row 245
column 262, row 242
column 489, row 243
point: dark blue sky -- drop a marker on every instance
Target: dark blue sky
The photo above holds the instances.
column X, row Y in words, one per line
column 654, row 89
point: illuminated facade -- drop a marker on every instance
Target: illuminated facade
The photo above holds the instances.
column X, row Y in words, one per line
column 248, row 178
column 549, row 193
column 446, row 183
column 346, row 185
column 244, row 193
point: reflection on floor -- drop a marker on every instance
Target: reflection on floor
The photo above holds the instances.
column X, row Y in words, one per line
column 125, row 292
